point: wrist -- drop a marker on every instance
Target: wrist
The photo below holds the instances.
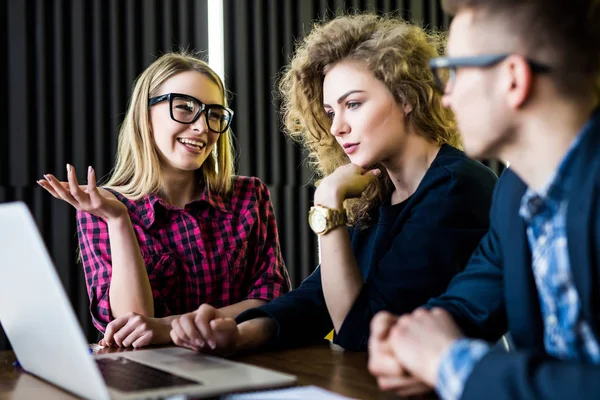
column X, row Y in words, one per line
column 435, row 363
column 167, row 320
column 254, row 333
column 163, row 329
column 331, row 197
column 118, row 221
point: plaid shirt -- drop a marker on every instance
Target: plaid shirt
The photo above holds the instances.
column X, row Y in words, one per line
column 567, row 336
column 217, row 250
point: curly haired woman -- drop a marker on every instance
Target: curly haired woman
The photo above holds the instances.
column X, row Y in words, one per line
column 399, row 208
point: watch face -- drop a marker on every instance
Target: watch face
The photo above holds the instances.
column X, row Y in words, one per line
column 318, row 223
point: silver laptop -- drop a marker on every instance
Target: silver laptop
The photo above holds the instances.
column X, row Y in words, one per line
column 49, row 343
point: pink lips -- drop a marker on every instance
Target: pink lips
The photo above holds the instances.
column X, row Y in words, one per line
column 350, row 148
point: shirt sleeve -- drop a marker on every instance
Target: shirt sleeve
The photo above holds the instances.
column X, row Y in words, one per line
column 94, row 247
column 270, row 277
column 456, row 367
column 446, row 222
column 301, row 315
column 475, row 297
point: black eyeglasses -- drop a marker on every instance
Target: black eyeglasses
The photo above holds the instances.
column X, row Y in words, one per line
column 444, row 68
column 187, row 109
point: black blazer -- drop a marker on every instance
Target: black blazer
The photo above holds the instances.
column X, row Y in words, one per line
column 405, row 259
column 497, row 291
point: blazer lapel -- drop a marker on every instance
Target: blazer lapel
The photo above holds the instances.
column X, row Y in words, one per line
column 580, row 215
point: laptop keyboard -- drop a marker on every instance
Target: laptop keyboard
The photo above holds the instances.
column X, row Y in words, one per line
column 130, row 376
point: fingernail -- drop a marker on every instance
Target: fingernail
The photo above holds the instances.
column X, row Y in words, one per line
column 39, row 182
column 47, row 177
column 90, row 170
column 68, row 168
column 212, row 344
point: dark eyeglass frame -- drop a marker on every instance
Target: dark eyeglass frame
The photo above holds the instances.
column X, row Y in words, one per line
column 203, row 107
column 481, row 61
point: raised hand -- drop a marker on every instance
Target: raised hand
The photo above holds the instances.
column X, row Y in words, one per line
column 134, row 330
column 205, row 330
column 347, row 181
column 88, row 198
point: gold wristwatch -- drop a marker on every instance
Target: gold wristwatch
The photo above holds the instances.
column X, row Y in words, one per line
column 323, row 219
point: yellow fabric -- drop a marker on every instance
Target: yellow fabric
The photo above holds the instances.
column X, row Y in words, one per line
column 329, row 335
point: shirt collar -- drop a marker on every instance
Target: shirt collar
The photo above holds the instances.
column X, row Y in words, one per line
column 556, row 187
column 155, row 207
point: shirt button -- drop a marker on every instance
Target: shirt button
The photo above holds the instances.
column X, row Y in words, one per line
column 551, row 320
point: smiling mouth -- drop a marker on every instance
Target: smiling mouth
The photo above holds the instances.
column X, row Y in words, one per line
column 192, row 144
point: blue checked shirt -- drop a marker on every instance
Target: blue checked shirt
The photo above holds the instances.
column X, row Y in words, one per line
column 567, row 335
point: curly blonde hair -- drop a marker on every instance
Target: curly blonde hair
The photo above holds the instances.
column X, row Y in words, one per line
column 397, row 53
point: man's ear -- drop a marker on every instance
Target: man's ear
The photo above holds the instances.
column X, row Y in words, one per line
column 407, row 108
column 518, row 81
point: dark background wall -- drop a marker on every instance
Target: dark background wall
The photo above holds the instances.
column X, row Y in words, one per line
column 70, row 67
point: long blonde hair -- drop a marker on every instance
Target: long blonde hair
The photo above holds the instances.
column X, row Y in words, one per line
column 397, row 53
column 137, row 171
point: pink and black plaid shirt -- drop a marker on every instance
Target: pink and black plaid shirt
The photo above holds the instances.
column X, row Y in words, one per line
column 216, row 250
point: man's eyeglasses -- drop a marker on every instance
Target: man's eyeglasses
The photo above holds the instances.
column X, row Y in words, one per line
column 444, row 68
column 187, row 109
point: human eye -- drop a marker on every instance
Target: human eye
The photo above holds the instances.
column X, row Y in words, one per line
column 330, row 113
column 353, row 105
column 184, row 106
column 216, row 115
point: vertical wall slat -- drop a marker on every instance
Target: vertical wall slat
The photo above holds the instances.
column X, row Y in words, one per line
column 275, row 142
column 183, row 33
column 262, row 97
column 18, row 124
column 101, row 151
column 4, row 81
column 77, row 95
column 150, row 30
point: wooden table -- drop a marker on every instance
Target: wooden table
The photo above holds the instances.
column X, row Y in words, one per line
column 337, row 371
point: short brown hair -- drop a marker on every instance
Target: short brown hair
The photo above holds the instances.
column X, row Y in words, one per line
column 564, row 35
column 397, row 53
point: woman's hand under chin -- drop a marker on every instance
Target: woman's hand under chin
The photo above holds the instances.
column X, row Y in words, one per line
column 345, row 182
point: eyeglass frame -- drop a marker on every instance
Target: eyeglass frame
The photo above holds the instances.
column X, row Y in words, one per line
column 480, row 61
column 203, row 107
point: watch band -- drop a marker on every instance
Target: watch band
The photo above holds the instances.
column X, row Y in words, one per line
column 322, row 219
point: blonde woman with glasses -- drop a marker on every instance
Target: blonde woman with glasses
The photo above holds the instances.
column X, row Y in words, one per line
column 173, row 229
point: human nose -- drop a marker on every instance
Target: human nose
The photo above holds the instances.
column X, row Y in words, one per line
column 339, row 126
column 200, row 124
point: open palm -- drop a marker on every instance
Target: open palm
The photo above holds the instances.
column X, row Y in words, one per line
column 89, row 198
